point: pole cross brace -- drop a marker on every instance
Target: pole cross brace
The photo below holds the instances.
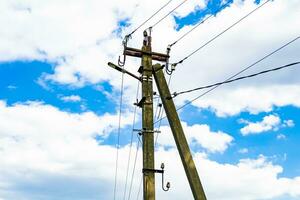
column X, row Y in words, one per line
column 123, row 71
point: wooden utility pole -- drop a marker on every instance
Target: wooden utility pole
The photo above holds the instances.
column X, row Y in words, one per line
column 178, row 134
column 146, row 103
column 147, row 120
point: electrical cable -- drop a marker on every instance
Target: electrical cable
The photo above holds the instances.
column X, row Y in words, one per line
column 118, row 137
column 139, row 190
column 233, row 76
column 142, row 24
column 184, row 35
column 160, row 20
column 221, row 33
column 236, row 79
column 198, row 24
column 134, row 168
column 131, row 140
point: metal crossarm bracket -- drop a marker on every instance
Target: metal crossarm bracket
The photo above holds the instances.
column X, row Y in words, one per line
column 138, row 53
column 153, row 170
column 146, row 131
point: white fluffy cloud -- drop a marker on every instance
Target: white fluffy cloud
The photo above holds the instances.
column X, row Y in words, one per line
column 40, row 144
column 246, row 179
column 72, row 98
column 28, row 119
column 250, row 99
column 80, row 43
column 50, row 154
column 243, row 150
column 243, row 45
column 269, row 123
column 199, row 135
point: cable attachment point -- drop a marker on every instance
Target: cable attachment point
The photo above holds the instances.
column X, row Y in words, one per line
column 168, row 185
column 121, row 63
column 160, row 171
column 140, row 103
column 169, row 71
column 150, row 30
column 172, row 96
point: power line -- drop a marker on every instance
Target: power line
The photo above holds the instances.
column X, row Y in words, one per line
column 131, row 140
column 198, row 24
column 139, row 190
column 160, row 20
column 142, row 24
column 134, row 168
column 184, row 35
column 118, row 140
column 218, row 35
column 233, row 76
column 236, row 79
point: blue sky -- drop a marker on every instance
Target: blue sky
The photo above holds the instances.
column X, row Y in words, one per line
column 81, row 94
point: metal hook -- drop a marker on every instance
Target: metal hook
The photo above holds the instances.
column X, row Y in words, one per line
column 121, row 63
column 168, row 185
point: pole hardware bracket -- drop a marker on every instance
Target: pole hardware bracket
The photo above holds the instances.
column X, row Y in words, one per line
column 142, row 131
column 140, row 70
column 160, row 171
column 141, row 102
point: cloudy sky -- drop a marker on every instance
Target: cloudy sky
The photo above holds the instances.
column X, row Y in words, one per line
column 59, row 101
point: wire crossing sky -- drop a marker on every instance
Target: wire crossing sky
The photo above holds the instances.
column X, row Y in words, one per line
column 175, row 94
column 233, row 76
column 221, row 33
column 148, row 19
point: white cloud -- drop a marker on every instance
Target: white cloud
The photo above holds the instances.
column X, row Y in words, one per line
column 42, row 145
column 30, row 118
column 249, row 179
column 269, row 123
column 250, row 99
column 288, row 123
column 250, row 44
column 243, row 151
column 281, row 137
column 48, row 153
column 198, row 134
column 190, row 6
column 72, row 98
column 80, row 45
column 11, row 87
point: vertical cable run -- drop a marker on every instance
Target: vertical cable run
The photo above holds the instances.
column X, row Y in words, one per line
column 131, row 140
column 118, row 137
column 134, row 167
